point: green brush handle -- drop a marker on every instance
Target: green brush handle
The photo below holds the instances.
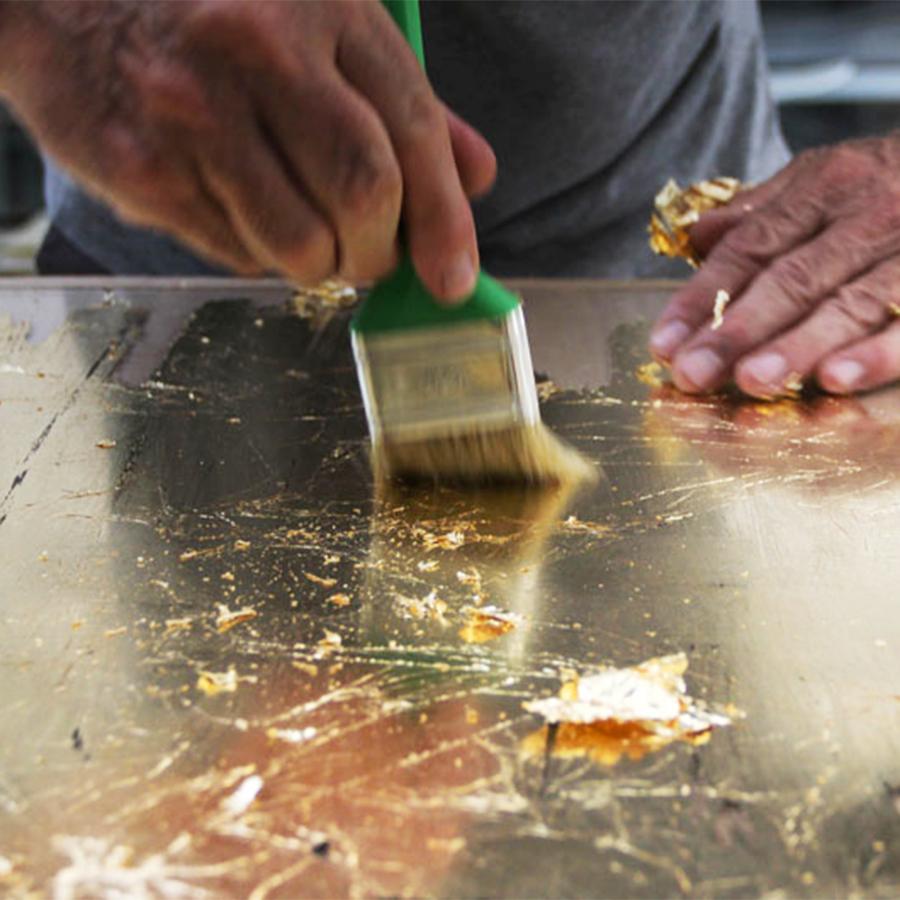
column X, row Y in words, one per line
column 401, row 301
column 406, row 14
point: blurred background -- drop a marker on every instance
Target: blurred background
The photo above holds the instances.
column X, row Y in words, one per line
column 835, row 73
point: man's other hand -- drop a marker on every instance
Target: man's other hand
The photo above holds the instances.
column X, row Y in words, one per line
column 811, row 261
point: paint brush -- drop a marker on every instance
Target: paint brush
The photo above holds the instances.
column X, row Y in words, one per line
column 449, row 392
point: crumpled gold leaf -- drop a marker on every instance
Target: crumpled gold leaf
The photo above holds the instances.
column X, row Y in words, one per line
column 676, row 209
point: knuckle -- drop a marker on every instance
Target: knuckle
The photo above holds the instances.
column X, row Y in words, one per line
column 883, row 219
column 844, row 165
column 368, row 182
column 861, row 304
column 795, row 277
column 248, row 30
column 745, row 246
column 423, row 114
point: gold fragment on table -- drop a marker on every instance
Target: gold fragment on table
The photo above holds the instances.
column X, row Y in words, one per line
column 624, row 712
column 228, row 618
column 323, row 300
column 487, row 623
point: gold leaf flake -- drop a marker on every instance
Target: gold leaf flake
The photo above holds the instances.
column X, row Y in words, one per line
column 487, row 623
column 338, row 600
column 676, row 209
column 331, row 642
column 174, row 625
column 722, row 299
column 212, row 683
column 546, row 389
column 106, row 444
column 451, row 540
column 310, row 669
column 623, row 712
column 429, row 607
column 227, row 618
column 650, row 374
column 470, row 577
column 292, row 735
column 318, row 579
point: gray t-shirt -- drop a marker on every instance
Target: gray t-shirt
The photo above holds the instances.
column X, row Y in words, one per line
column 590, row 107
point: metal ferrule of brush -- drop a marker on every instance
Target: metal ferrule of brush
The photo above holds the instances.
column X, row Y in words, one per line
column 420, row 383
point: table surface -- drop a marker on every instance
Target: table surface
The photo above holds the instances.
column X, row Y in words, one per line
column 174, row 453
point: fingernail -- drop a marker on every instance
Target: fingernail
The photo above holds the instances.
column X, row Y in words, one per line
column 845, row 374
column 458, row 280
column 700, row 367
column 667, row 338
column 767, row 369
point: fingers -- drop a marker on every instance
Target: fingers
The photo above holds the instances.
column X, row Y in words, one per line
column 336, row 147
column 205, row 226
column 734, row 262
column 713, row 225
column 854, row 311
column 869, row 363
column 267, row 209
column 780, row 296
column 475, row 160
column 440, row 230
column 182, row 206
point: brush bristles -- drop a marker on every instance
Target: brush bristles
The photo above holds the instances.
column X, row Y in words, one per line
column 524, row 454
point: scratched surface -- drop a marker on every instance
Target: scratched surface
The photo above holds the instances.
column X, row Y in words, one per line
column 230, row 666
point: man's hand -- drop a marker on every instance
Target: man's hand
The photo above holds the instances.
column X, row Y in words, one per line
column 267, row 135
column 811, row 260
